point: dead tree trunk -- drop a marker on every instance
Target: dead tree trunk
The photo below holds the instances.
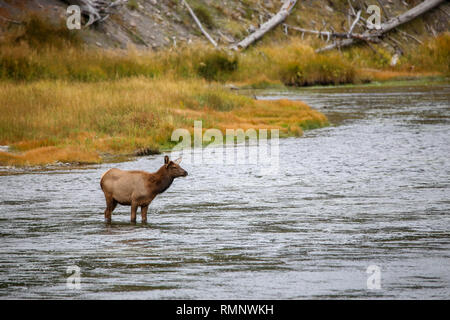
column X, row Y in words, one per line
column 199, row 24
column 96, row 10
column 267, row 26
column 374, row 35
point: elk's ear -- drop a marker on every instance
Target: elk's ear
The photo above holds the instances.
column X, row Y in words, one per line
column 178, row 161
column 166, row 160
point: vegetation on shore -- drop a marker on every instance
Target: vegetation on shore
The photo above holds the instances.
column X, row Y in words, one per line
column 39, row 51
column 49, row 121
column 61, row 101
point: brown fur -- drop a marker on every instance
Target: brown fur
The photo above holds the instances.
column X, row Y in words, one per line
column 137, row 188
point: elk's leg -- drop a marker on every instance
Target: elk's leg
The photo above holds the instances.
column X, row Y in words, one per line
column 133, row 212
column 144, row 213
column 110, row 206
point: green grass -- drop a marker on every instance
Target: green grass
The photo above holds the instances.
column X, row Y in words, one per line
column 132, row 5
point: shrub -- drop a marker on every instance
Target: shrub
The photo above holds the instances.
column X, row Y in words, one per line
column 317, row 70
column 39, row 33
column 217, row 65
column 434, row 55
column 16, row 66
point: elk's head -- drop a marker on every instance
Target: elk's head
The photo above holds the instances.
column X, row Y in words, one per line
column 173, row 168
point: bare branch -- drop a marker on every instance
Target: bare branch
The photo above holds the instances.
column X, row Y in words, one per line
column 384, row 10
column 324, row 33
column 358, row 16
column 333, row 34
column 351, row 7
column 374, row 35
column 97, row 10
column 284, row 12
column 199, row 24
column 411, row 36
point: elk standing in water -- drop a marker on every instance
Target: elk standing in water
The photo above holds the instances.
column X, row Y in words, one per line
column 137, row 188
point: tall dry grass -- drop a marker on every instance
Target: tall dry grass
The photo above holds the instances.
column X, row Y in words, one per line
column 430, row 58
column 294, row 63
column 433, row 55
column 120, row 117
column 62, row 101
column 38, row 50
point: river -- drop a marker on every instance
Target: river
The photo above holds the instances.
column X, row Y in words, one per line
column 359, row 209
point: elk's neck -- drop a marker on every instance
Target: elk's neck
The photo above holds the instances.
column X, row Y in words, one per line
column 163, row 180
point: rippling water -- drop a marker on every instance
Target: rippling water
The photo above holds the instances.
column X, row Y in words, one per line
column 370, row 190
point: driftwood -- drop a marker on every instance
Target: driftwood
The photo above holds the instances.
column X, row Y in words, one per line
column 199, row 24
column 284, row 12
column 330, row 34
column 96, row 10
column 375, row 35
column 358, row 16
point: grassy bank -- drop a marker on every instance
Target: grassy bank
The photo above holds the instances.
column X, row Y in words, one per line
column 62, row 101
column 292, row 64
column 47, row 121
column 40, row 51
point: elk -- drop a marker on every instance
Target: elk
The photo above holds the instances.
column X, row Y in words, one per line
column 137, row 188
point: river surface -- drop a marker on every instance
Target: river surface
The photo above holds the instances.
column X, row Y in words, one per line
column 359, row 209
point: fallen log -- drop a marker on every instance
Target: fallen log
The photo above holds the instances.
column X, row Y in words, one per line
column 374, row 35
column 284, row 12
column 199, row 24
column 96, row 10
column 332, row 34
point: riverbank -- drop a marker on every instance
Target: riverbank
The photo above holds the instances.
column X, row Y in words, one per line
column 38, row 50
column 70, row 124
column 64, row 102
column 64, row 123
column 48, row 121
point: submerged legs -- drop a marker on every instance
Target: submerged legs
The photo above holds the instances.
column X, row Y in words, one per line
column 110, row 206
column 144, row 213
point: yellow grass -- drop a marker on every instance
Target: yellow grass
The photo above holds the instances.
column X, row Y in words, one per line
column 46, row 155
column 60, row 101
column 386, row 75
column 48, row 121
